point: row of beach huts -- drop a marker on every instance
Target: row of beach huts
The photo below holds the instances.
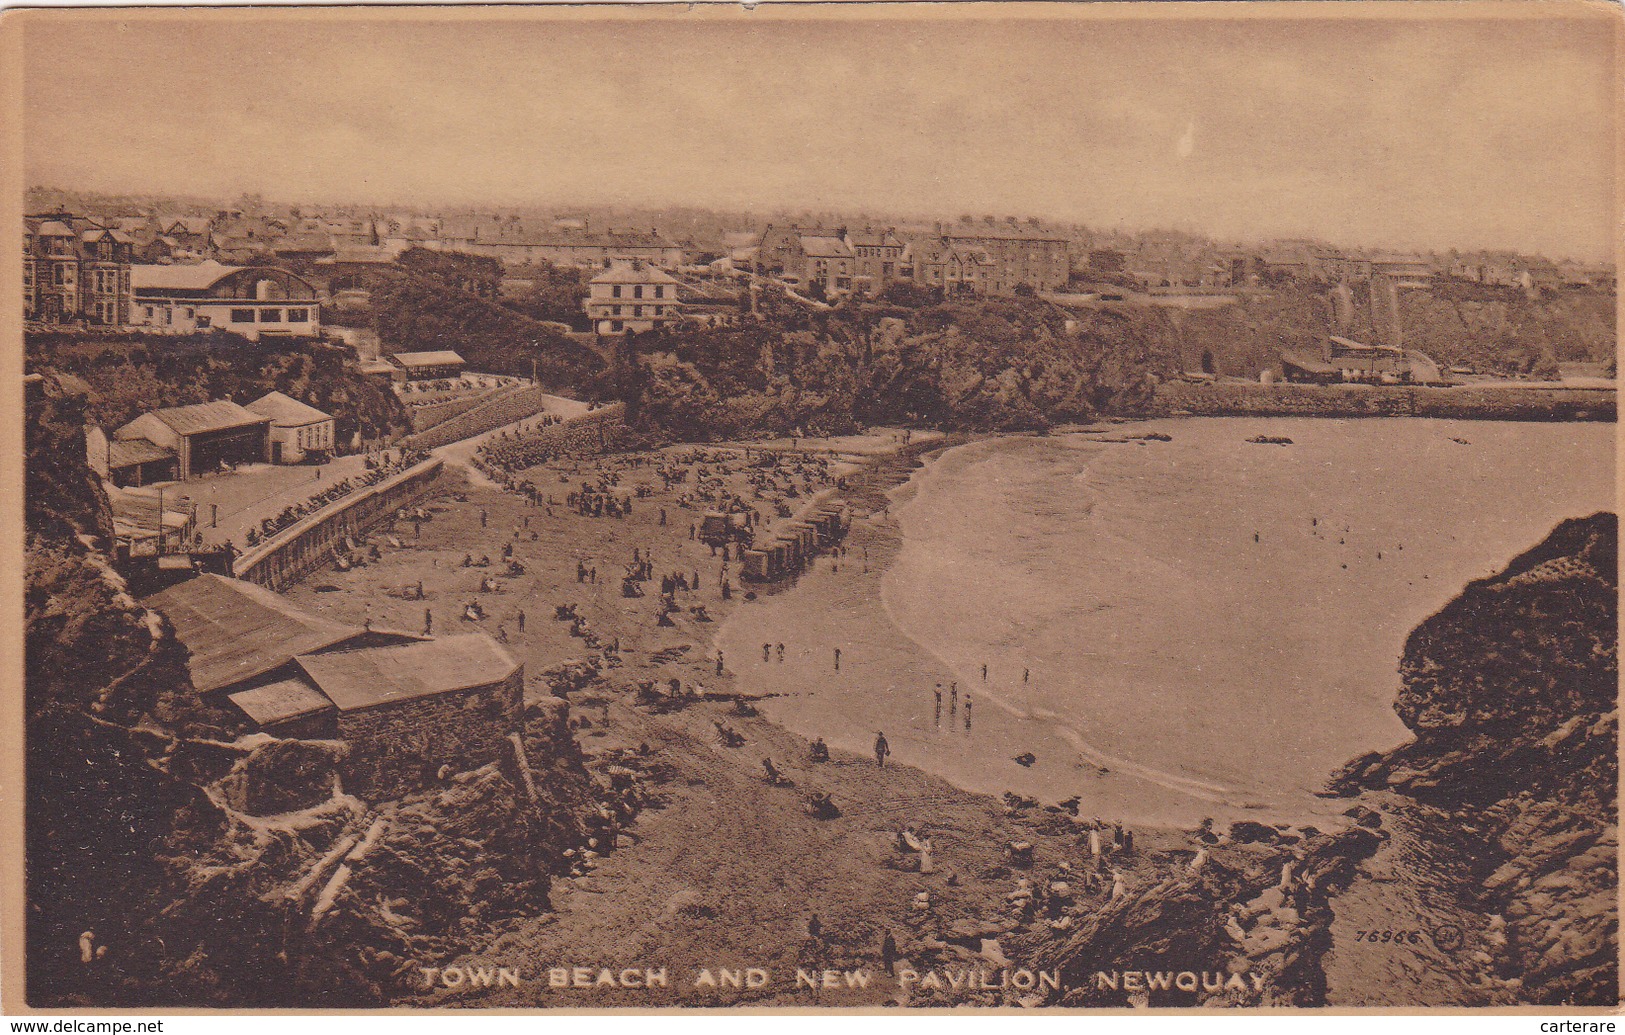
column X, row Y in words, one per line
column 794, row 544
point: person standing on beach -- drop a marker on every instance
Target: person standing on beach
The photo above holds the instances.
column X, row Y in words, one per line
column 882, row 749
column 719, row 663
column 837, row 659
column 967, row 713
column 888, row 952
column 1024, row 675
column 984, row 672
column 428, row 621
column 483, row 517
column 938, row 717
column 521, row 618
column 781, row 653
column 953, row 702
column 767, row 650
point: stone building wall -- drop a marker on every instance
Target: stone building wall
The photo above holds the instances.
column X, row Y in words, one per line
column 396, row 748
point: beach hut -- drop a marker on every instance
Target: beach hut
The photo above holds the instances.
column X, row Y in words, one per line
column 755, row 566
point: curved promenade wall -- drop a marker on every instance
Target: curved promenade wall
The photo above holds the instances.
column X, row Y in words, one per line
column 303, row 547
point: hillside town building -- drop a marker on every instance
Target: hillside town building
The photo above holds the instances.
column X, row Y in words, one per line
column 427, row 366
column 984, row 261
column 514, row 245
column 256, row 302
column 632, row 296
column 75, row 271
column 202, row 437
column 298, row 431
column 406, row 705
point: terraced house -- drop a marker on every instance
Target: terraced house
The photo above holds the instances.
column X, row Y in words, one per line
column 75, row 271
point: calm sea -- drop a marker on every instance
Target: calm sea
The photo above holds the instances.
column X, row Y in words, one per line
column 1219, row 619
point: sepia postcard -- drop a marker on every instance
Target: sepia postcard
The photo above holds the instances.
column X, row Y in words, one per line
column 911, row 507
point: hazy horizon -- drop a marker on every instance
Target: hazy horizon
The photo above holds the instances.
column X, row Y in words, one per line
column 1463, row 132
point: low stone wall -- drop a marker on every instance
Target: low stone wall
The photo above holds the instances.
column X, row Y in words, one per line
column 306, row 546
column 490, row 414
column 596, row 432
column 1465, row 402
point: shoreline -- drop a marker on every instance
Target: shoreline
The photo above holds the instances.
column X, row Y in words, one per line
column 889, row 671
column 722, row 868
column 887, row 682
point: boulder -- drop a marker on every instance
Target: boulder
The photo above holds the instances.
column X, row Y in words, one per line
column 283, row 776
column 1245, row 831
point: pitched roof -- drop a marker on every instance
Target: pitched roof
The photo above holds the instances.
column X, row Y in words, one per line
column 122, row 453
column 286, row 412
column 825, row 247
column 426, row 359
column 374, row 676
column 54, row 228
column 627, row 274
column 94, row 235
column 277, row 702
column 220, row 415
column 237, row 630
column 201, row 277
column 874, row 239
column 188, row 224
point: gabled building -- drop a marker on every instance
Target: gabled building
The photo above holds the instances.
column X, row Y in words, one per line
column 827, row 261
column 877, row 258
column 75, row 271
column 406, row 705
column 298, row 430
column 632, row 296
column 203, row 436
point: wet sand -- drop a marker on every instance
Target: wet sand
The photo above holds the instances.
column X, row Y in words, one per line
column 1179, row 669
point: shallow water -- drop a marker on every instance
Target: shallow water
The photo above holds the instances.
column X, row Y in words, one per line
column 1176, row 668
column 1219, row 618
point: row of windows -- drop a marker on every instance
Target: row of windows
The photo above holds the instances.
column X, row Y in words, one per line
column 637, row 291
column 269, row 315
column 638, row 310
column 315, row 437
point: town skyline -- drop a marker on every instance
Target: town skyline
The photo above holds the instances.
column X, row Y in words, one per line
column 1360, row 132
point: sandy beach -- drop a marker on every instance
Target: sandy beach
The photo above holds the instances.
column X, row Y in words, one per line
column 688, row 887
column 726, row 869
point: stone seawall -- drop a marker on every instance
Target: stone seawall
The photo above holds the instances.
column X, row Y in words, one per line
column 1466, row 402
column 306, row 546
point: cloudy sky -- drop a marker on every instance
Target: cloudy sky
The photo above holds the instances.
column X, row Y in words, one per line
column 1468, row 131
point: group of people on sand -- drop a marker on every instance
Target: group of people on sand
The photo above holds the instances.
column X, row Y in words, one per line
column 953, row 706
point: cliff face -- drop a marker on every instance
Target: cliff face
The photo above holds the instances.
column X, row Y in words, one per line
column 171, row 862
column 1493, row 835
column 1512, row 693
